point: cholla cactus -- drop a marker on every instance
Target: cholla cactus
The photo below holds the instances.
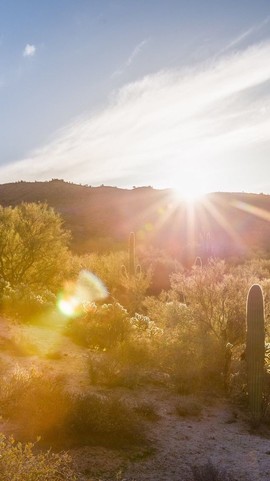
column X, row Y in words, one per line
column 255, row 352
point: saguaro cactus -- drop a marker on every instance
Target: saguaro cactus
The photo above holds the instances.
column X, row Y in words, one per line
column 255, row 352
column 198, row 262
column 132, row 268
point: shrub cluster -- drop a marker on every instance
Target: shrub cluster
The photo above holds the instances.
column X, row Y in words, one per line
column 19, row 462
column 67, row 418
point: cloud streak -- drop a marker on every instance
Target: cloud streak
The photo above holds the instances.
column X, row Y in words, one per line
column 203, row 125
column 244, row 35
column 135, row 52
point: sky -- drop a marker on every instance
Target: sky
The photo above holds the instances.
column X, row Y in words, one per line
column 167, row 93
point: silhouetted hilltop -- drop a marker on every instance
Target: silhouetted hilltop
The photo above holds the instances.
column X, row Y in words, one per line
column 100, row 218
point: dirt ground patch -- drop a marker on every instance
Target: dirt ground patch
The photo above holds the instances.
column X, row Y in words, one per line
column 183, row 432
column 220, row 433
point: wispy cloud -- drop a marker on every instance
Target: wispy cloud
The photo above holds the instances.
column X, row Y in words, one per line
column 246, row 34
column 29, row 50
column 135, row 52
column 201, row 125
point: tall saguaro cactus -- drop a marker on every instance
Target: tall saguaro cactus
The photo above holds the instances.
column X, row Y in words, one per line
column 255, row 352
column 132, row 268
column 132, row 271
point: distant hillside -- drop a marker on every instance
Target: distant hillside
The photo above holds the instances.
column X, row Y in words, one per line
column 100, row 218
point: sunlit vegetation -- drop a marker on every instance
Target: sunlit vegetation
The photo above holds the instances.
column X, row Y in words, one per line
column 34, row 257
column 78, row 332
column 19, row 462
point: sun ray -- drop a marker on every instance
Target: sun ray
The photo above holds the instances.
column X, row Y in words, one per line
column 217, row 215
column 252, row 209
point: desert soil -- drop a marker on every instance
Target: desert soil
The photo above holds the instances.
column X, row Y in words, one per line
column 220, row 434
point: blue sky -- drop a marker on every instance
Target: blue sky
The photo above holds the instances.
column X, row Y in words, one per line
column 169, row 93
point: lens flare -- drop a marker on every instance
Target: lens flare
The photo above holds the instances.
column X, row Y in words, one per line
column 76, row 295
column 69, row 306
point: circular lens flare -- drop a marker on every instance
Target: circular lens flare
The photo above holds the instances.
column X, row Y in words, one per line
column 77, row 295
column 69, row 306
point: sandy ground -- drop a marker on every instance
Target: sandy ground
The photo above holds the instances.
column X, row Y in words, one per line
column 221, row 432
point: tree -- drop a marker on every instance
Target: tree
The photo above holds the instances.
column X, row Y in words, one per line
column 216, row 296
column 33, row 247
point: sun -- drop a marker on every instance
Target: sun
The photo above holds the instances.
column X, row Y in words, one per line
column 189, row 194
column 190, row 186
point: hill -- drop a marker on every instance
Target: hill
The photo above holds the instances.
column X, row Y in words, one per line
column 100, row 218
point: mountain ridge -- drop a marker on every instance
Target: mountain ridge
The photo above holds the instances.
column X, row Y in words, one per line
column 100, row 218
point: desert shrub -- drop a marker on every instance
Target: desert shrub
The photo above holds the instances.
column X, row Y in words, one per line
column 138, row 351
column 128, row 291
column 147, row 410
column 212, row 362
column 194, row 360
column 33, row 247
column 143, row 326
column 109, row 370
column 107, row 267
column 266, row 399
column 183, row 369
column 238, row 377
column 162, row 266
column 25, row 302
column 19, row 462
column 167, row 311
column 188, row 407
column 266, row 291
column 128, row 363
column 255, row 267
column 210, row 472
column 64, row 418
column 133, row 290
column 39, row 398
column 102, row 327
column 103, row 419
column 216, row 297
